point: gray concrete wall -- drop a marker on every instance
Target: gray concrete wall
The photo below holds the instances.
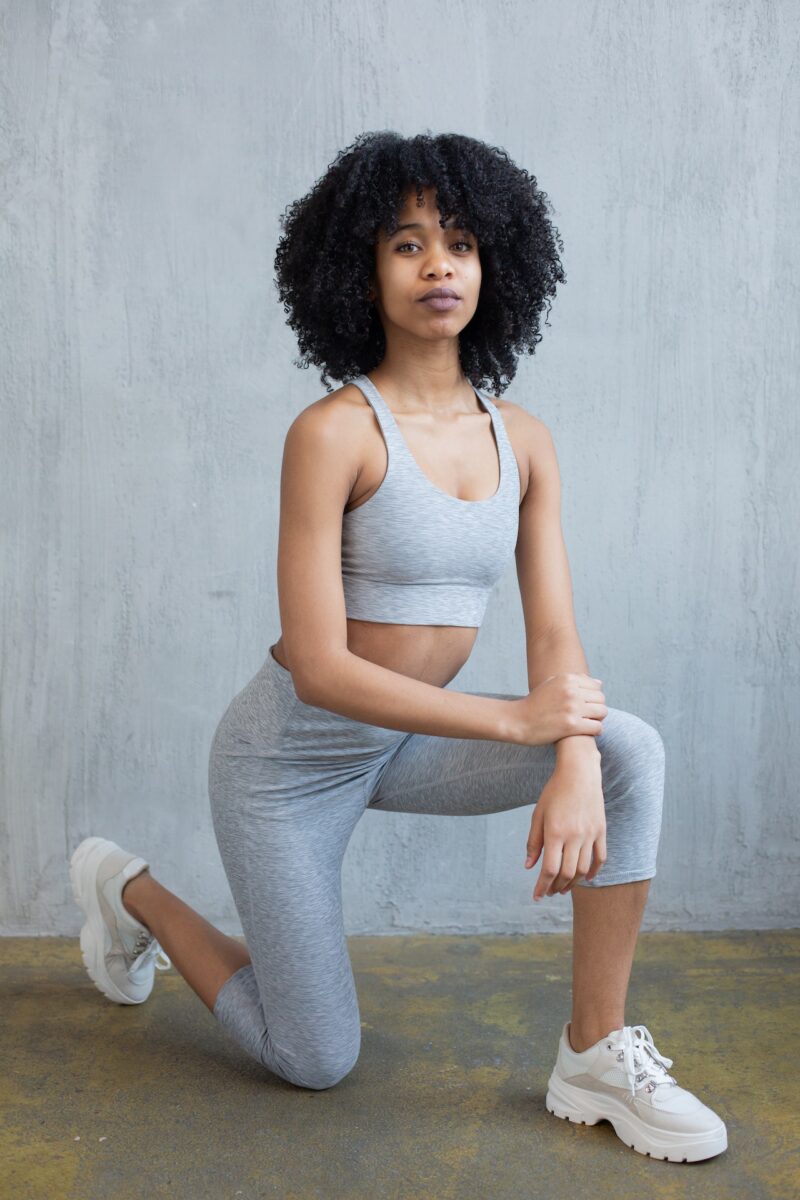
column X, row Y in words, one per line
column 146, row 151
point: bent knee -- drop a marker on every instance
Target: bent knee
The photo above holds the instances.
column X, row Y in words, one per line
column 319, row 1076
column 633, row 757
column 317, row 1068
column 625, row 732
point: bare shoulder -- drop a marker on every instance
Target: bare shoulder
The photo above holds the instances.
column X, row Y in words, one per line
column 343, row 407
column 332, row 430
column 341, row 418
column 529, row 436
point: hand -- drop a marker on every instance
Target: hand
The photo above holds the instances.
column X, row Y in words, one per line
column 569, row 823
column 560, row 706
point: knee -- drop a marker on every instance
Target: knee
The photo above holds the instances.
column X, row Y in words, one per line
column 652, row 742
column 317, row 1069
column 321, row 1074
column 632, row 752
column 624, row 731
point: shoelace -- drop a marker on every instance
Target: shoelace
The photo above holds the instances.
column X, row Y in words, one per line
column 146, row 947
column 641, row 1060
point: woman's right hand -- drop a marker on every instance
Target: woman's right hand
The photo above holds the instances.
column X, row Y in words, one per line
column 560, row 706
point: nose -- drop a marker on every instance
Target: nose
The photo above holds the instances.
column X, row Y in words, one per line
column 442, row 267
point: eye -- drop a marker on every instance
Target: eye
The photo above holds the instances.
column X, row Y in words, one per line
column 460, row 242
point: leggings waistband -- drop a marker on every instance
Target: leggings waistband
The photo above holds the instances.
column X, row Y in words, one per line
column 268, row 717
column 272, row 667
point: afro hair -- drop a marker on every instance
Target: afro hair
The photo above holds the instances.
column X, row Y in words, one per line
column 326, row 253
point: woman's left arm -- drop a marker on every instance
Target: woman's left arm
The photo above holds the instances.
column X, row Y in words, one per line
column 568, row 827
column 552, row 644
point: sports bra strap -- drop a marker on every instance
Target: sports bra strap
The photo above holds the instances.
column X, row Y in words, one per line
column 382, row 411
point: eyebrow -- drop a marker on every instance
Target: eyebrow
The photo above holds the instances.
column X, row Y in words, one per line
column 416, row 225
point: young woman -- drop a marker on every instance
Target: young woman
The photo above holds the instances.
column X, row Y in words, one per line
column 416, row 271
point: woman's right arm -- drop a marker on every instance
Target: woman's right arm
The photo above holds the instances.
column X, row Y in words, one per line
column 320, row 466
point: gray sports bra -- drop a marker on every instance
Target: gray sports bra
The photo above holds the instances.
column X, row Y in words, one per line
column 413, row 554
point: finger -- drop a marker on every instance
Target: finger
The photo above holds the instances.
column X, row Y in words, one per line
column 599, row 856
column 584, row 863
column 534, row 846
column 569, row 865
column 551, row 864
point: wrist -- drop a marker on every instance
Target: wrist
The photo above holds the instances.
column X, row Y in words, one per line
column 578, row 747
column 509, row 726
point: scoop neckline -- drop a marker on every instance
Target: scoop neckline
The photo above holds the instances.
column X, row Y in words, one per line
column 487, row 407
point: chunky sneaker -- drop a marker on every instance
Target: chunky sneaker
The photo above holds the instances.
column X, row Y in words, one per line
column 623, row 1079
column 119, row 952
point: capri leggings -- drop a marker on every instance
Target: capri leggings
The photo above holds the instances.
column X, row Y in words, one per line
column 288, row 782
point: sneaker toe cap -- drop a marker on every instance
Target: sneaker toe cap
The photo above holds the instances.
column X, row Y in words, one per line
column 682, row 1111
column 136, row 984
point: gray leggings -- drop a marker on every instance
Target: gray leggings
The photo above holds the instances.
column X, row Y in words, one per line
column 288, row 783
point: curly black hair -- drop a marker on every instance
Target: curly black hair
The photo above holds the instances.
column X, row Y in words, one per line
column 327, row 251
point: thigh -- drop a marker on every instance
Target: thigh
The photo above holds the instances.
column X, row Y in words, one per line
column 461, row 776
column 469, row 776
column 282, row 834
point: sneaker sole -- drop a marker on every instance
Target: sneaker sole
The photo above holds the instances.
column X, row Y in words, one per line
column 95, row 938
column 573, row 1104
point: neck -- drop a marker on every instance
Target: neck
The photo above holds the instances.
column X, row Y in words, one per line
column 424, row 386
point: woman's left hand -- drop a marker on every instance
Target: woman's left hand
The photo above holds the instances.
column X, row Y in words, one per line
column 569, row 823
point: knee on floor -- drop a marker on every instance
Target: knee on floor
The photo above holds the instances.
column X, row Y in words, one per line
column 316, row 1072
column 320, row 1078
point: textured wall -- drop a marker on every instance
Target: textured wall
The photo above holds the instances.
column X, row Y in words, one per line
column 147, row 150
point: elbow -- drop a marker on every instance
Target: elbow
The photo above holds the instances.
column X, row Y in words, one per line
column 297, row 676
column 304, row 691
column 302, row 684
column 310, row 676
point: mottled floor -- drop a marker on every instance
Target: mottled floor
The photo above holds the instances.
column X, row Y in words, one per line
column 446, row 1102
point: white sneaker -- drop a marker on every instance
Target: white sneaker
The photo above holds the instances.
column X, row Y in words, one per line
column 623, row 1079
column 119, row 952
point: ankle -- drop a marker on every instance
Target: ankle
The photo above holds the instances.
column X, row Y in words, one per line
column 581, row 1037
column 134, row 891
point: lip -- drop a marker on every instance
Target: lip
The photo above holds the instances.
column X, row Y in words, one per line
column 441, row 303
column 439, row 291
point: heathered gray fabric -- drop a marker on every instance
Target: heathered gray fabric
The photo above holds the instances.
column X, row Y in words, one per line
column 288, row 782
column 415, row 555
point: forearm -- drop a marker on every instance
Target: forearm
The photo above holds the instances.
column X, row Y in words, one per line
column 562, row 651
column 364, row 691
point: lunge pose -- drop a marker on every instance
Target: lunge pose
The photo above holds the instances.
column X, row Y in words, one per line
column 415, row 272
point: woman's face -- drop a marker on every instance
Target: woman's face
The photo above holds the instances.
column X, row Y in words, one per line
column 413, row 261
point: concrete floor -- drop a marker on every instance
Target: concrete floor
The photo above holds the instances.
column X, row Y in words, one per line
column 445, row 1103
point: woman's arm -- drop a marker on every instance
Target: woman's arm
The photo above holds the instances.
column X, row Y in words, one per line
column 365, row 691
column 562, row 651
column 545, row 582
column 321, row 460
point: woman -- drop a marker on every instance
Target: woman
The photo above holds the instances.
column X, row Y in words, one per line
column 415, row 270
